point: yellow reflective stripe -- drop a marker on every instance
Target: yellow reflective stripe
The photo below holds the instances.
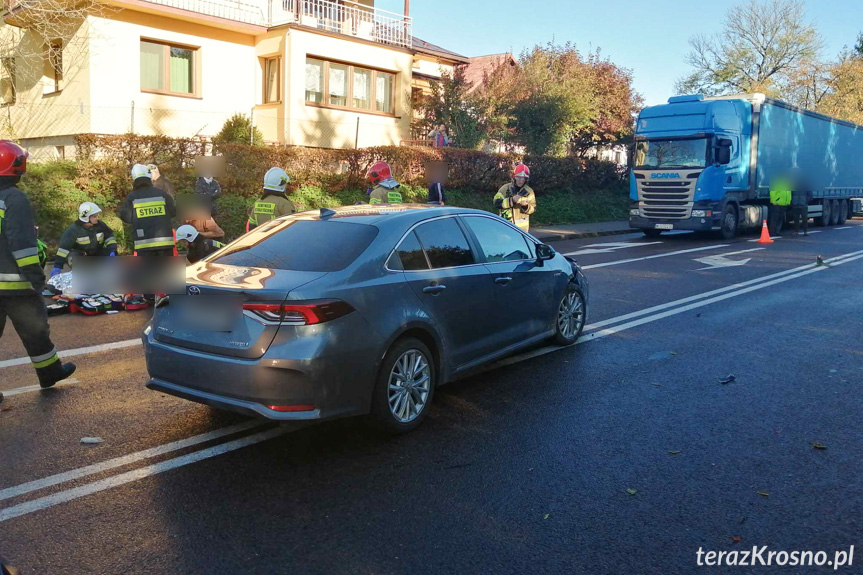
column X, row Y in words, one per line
column 149, row 204
column 15, row 285
column 62, row 252
column 82, row 240
column 374, row 201
column 110, row 241
column 160, row 244
column 47, row 362
column 28, row 261
column 2, row 213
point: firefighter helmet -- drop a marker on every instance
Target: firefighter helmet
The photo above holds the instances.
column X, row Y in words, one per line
column 86, row 210
column 379, row 172
column 187, row 232
column 13, row 159
column 276, row 179
column 141, row 171
column 521, row 171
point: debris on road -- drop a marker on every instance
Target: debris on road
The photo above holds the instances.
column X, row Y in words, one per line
column 545, row 516
column 735, row 539
column 816, row 445
column 763, row 494
column 91, row 440
column 632, row 491
column 727, row 380
column 673, row 453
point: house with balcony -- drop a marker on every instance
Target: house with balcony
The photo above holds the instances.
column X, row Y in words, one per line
column 321, row 73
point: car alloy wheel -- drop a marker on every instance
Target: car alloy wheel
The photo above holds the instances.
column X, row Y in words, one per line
column 408, row 386
column 570, row 314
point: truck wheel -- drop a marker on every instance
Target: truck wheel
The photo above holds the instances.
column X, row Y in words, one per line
column 652, row 233
column 824, row 219
column 843, row 211
column 729, row 222
column 405, row 387
column 834, row 212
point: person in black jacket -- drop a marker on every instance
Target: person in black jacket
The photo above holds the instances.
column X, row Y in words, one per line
column 199, row 247
column 21, row 276
column 210, row 189
column 149, row 211
column 86, row 236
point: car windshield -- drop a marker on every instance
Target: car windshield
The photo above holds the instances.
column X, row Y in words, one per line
column 304, row 245
column 671, row 153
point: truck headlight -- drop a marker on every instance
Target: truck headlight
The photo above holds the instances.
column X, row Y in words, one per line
column 701, row 213
column 633, row 212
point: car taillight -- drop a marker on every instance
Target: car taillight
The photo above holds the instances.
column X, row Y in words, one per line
column 300, row 314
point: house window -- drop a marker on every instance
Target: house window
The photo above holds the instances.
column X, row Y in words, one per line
column 7, row 80
column 272, row 83
column 385, row 83
column 314, row 81
column 168, row 69
column 52, row 75
column 349, row 87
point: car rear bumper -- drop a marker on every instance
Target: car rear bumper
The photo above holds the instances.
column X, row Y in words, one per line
column 230, row 403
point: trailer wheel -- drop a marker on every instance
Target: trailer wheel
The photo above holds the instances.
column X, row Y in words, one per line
column 729, row 222
column 824, row 219
column 843, row 211
column 652, row 233
column 834, row 212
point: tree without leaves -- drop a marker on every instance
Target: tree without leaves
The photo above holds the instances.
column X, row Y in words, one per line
column 761, row 46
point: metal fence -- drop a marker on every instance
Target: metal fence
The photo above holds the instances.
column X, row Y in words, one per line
column 48, row 130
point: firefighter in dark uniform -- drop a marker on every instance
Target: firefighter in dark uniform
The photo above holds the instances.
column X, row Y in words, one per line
column 149, row 211
column 515, row 201
column 273, row 203
column 21, row 276
column 385, row 189
column 199, row 246
column 86, row 236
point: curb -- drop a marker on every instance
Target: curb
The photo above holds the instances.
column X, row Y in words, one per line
column 563, row 236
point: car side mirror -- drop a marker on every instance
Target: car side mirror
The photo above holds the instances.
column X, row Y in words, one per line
column 544, row 252
column 723, row 151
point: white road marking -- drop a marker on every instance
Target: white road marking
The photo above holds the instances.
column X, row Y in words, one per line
column 653, row 257
column 719, row 261
column 136, row 474
column 844, row 228
column 30, row 388
column 608, row 248
column 147, row 471
column 10, row 492
column 815, row 232
column 77, row 351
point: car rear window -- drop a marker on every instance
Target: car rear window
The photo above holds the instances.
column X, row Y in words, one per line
column 304, row 245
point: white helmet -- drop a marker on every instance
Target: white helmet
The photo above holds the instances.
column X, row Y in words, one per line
column 86, row 210
column 276, row 179
column 141, row 171
column 187, row 232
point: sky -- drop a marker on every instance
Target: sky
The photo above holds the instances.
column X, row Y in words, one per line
column 649, row 38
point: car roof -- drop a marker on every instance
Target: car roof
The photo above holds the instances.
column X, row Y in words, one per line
column 379, row 213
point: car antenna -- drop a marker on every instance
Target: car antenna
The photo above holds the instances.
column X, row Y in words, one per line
column 327, row 213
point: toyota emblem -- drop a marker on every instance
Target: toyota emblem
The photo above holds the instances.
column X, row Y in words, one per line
column 194, row 290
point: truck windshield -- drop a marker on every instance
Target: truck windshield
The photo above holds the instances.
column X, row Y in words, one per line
column 671, row 153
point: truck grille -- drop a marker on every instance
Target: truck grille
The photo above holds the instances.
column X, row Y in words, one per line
column 665, row 198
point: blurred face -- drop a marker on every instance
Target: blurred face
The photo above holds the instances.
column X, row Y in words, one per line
column 155, row 172
column 94, row 219
column 520, row 181
column 442, row 128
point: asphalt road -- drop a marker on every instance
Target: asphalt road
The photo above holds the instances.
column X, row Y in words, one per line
column 624, row 454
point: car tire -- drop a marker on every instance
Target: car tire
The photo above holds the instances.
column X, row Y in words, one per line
column 652, row 233
column 728, row 223
column 834, row 213
column 571, row 316
column 394, row 410
column 843, row 212
column 824, row 219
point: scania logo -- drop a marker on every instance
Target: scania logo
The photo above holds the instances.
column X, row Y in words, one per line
column 194, row 290
column 664, row 176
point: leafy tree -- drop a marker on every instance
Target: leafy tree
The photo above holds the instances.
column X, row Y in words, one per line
column 239, row 130
column 858, row 47
column 451, row 104
column 761, row 47
column 844, row 99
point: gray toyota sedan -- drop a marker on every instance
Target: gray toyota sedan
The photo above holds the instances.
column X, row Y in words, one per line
column 359, row 310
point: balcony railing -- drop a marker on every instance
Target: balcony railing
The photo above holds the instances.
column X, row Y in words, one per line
column 344, row 17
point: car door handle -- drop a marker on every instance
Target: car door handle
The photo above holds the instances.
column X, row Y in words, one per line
column 434, row 290
column 502, row 280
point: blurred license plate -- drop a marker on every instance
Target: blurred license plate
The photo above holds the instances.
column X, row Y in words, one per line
column 209, row 312
column 663, row 227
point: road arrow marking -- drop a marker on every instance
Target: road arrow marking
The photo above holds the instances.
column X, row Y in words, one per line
column 608, row 248
column 719, row 261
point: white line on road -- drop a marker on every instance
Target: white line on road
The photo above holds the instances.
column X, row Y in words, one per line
column 608, row 248
column 136, row 474
column 29, row 388
column 10, row 492
column 653, row 257
column 845, row 228
column 77, row 351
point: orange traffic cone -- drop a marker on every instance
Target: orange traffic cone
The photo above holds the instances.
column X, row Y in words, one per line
column 765, row 235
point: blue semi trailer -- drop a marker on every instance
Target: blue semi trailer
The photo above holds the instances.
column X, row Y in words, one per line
column 705, row 163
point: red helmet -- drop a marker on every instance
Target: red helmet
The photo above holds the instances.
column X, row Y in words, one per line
column 13, row 159
column 379, row 172
column 521, row 171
